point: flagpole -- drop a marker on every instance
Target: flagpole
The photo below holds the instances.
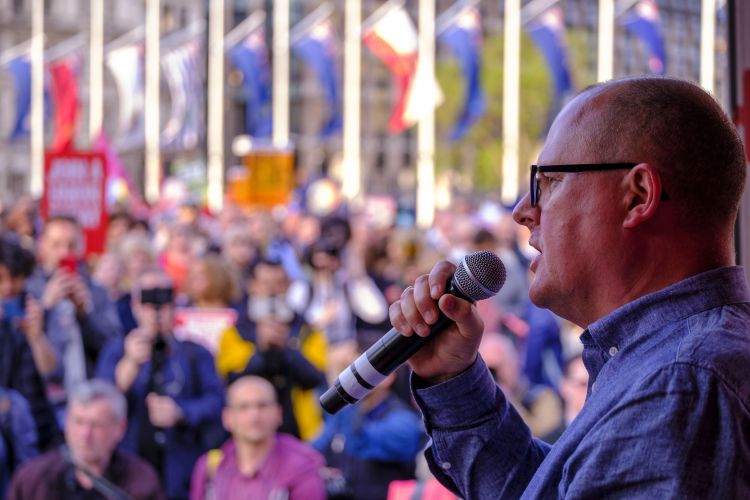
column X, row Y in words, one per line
column 511, row 97
column 36, row 180
column 444, row 20
column 96, row 68
column 708, row 44
column 280, row 103
column 534, row 8
column 605, row 67
column 379, row 13
column 133, row 36
column 247, row 26
column 215, row 139
column 320, row 14
column 352, row 162
column 426, row 123
column 151, row 111
column 11, row 53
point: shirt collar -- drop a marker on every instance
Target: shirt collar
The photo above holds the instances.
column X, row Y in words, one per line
column 704, row 291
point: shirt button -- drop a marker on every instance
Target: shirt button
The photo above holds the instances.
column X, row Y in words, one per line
column 593, row 386
column 613, row 350
column 445, row 465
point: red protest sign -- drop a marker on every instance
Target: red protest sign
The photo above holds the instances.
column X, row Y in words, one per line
column 75, row 184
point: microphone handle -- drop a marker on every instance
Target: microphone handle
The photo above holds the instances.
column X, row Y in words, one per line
column 393, row 349
column 380, row 360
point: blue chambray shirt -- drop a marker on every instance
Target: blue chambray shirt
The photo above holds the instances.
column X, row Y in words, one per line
column 667, row 414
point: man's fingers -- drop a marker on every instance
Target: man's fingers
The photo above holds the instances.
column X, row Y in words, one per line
column 426, row 305
column 463, row 314
column 411, row 313
column 398, row 320
column 439, row 276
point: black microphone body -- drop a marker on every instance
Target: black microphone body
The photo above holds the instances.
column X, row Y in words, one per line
column 393, row 349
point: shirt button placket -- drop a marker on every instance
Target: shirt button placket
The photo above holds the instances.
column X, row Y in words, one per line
column 613, row 350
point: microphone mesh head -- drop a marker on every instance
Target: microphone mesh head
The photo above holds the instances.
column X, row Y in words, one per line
column 480, row 275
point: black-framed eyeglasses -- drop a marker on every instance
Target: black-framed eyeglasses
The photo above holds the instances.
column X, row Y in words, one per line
column 535, row 189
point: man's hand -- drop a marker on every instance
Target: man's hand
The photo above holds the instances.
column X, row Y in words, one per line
column 162, row 410
column 58, row 287
column 456, row 348
column 272, row 334
column 33, row 321
column 80, row 295
column 137, row 348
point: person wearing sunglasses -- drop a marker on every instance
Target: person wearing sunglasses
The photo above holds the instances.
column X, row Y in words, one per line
column 632, row 207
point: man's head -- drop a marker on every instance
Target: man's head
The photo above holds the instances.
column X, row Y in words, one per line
column 252, row 414
column 152, row 302
column 61, row 239
column 268, row 278
column 16, row 265
column 95, row 422
column 238, row 246
column 607, row 237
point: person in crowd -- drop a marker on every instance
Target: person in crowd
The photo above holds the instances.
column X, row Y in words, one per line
column 543, row 359
column 272, row 341
column 238, row 251
column 118, row 226
column 18, row 438
column 210, row 283
column 573, row 388
column 336, row 299
column 20, row 222
column 537, row 404
column 183, row 245
column 137, row 254
column 373, row 442
column 26, row 355
column 88, row 465
column 174, row 394
column 79, row 317
column 108, row 273
column 270, row 243
column 632, row 208
column 258, row 461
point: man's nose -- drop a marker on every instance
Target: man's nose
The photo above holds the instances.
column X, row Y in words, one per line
column 523, row 213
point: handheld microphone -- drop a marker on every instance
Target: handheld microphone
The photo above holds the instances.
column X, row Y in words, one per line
column 480, row 275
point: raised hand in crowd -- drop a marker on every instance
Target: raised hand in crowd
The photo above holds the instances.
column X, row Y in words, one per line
column 32, row 326
column 80, row 295
column 272, row 334
column 58, row 288
column 163, row 411
column 137, row 350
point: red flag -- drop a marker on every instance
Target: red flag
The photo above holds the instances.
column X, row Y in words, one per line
column 65, row 96
column 393, row 38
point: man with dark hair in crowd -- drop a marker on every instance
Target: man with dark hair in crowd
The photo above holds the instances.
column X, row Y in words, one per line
column 258, row 462
column 88, row 466
column 632, row 208
column 79, row 317
column 273, row 342
column 26, row 355
column 174, row 394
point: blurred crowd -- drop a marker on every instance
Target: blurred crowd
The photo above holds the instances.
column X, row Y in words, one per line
column 186, row 360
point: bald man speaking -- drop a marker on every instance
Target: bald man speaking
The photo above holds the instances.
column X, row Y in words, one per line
column 632, row 207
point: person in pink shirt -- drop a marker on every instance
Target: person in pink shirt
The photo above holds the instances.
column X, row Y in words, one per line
column 257, row 461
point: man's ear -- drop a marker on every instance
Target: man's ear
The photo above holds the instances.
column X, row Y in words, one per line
column 642, row 194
